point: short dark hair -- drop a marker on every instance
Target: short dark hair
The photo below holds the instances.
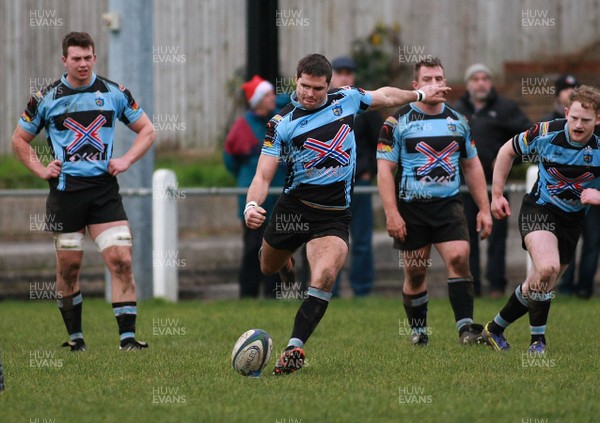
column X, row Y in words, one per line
column 77, row 39
column 589, row 97
column 430, row 62
column 315, row 65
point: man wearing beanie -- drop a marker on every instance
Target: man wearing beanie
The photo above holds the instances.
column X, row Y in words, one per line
column 493, row 119
column 563, row 87
column 242, row 150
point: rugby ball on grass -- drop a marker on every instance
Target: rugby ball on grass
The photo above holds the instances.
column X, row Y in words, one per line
column 252, row 352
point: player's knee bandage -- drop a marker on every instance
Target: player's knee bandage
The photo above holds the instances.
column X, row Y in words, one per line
column 72, row 241
column 115, row 236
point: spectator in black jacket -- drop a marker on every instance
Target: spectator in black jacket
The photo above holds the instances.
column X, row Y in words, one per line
column 493, row 120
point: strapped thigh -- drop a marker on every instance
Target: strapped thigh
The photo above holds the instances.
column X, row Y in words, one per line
column 115, row 236
column 72, row 241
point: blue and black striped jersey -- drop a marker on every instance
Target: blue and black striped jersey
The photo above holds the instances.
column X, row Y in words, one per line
column 427, row 149
column 79, row 124
column 318, row 146
column 565, row 168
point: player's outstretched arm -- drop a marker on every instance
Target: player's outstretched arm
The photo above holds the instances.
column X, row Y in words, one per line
column 475, row 180
column 254, row 215
column 21, row 145
column 141, row 144
column 504, row 161
column 395, row 97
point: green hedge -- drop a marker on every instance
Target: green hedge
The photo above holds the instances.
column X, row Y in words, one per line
column 200, row 171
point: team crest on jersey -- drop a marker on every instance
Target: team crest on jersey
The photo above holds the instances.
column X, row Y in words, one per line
column 99, row 99
column 587, row 154
column 451, row 124
column 337, row 109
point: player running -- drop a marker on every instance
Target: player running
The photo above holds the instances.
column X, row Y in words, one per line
column 551, row 216
column 79, row 113
column 429, row 142
column 314, row 134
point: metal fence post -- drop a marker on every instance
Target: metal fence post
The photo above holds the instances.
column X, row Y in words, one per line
column 164, row 234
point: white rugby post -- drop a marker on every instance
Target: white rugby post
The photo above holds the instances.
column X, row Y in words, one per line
column 530, row 178
column 164, row 233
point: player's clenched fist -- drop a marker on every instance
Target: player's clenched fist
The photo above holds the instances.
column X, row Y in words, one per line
column 590, row 196
column 52, row 170
column 118, row 165
column 254, row 215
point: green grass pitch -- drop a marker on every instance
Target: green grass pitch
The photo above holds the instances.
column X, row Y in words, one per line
column 360, row 366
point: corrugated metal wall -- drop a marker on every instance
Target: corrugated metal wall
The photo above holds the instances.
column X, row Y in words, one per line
column 198, row 44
